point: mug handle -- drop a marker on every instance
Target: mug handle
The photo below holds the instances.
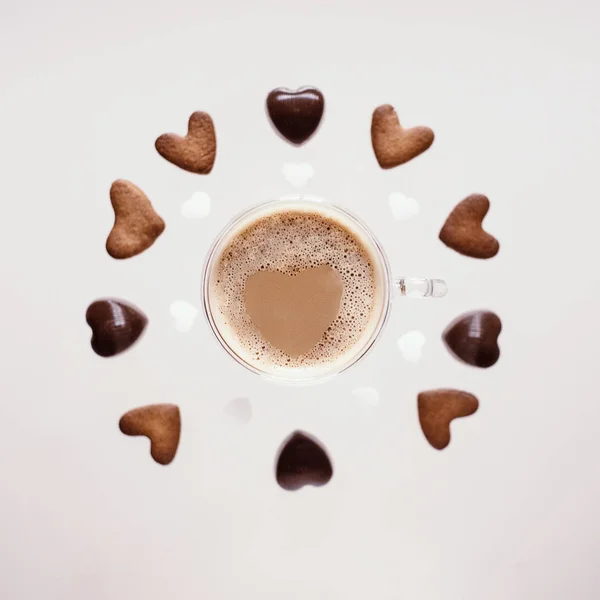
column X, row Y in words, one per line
column 417, row 287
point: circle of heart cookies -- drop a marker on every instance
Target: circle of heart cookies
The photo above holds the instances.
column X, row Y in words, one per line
column 117, row 325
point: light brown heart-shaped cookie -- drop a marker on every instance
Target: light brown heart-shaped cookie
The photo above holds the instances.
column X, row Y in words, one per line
column 136, row 223
column 463, row 232
column 196, row 151
column 161, row 423
column 438, row 408
column 292, row 312
column 393, row 145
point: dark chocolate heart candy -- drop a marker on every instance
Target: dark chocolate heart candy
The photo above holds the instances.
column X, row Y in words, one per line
column 302, row 462
column 116, row 325
column 295, row 114
column 473, row 338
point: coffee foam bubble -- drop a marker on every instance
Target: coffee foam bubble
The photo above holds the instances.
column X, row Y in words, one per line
column 290, row 242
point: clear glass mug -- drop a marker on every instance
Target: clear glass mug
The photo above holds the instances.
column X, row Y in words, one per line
column 387, row 284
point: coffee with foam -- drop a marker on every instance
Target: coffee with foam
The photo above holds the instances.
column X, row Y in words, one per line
column 290, row 239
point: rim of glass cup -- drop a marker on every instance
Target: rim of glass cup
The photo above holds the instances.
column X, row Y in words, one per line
column 214, row 253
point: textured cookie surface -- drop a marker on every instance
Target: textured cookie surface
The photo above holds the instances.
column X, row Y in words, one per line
column 463, row 231
column 160, row 423
column 137, row 225
column 393, row 145
column 194, row 152
column 438, row 408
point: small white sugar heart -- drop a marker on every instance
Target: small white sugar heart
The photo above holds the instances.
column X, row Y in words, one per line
column 239, row 410
column 184, row 315
column 197, row 207
column 411, row 345
column 297, row 173
column 366, row 397
column 403, row 207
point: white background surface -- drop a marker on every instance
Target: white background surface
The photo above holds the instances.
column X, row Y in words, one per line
column 508, row 510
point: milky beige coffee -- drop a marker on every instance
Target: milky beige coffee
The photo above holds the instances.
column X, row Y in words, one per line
column 296, row 243
column 294, row 312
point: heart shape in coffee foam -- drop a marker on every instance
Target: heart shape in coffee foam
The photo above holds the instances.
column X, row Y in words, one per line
column 292, row 312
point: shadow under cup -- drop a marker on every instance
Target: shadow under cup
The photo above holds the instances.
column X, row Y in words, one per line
column 381, row 306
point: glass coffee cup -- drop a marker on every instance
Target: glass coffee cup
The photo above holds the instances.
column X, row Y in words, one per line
column 384, row 287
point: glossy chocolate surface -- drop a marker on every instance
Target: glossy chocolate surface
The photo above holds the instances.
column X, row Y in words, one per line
column 116, row 326
column 302, row 462
column 473, row 338
column 295, row 114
